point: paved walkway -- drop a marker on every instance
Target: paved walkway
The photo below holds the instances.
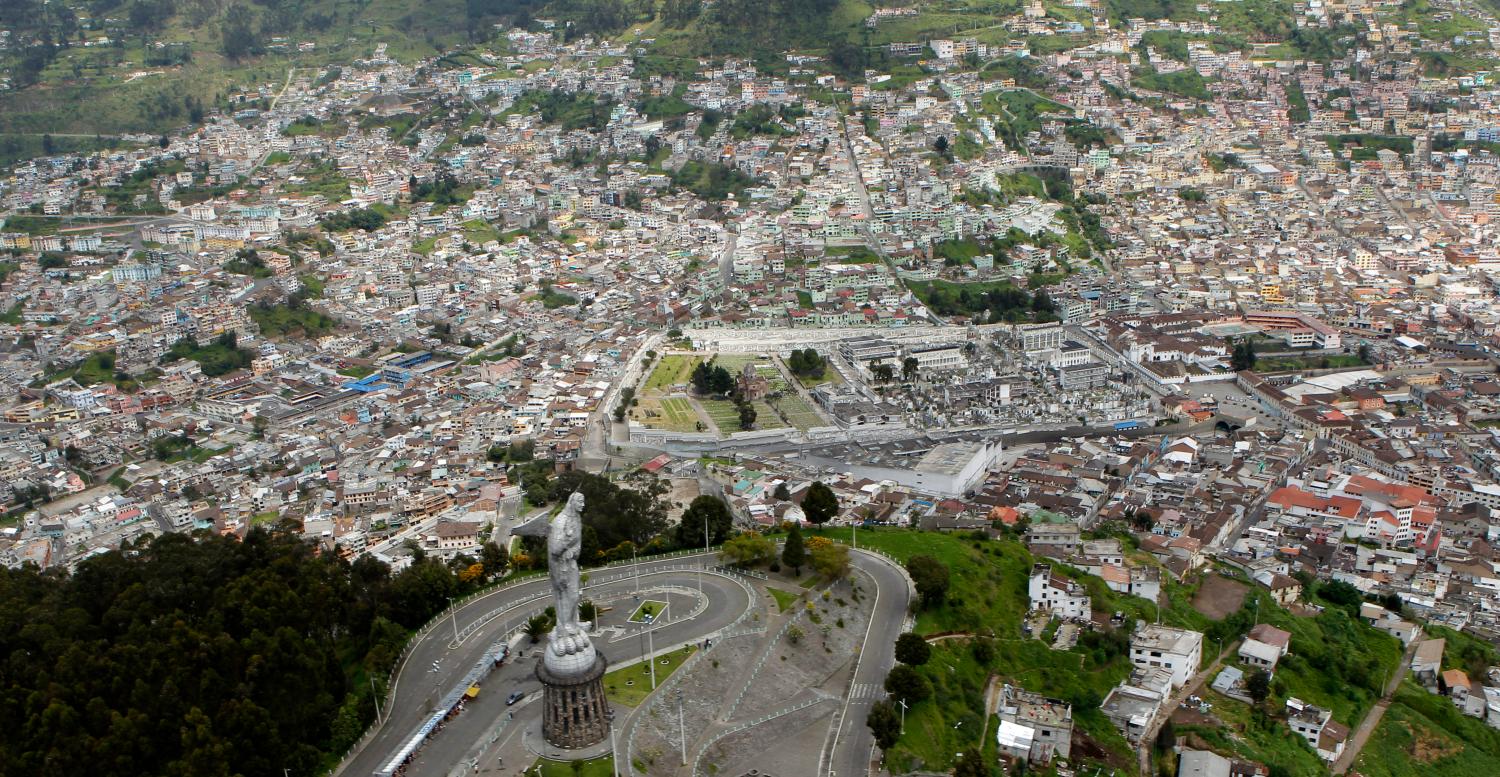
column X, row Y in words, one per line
column 1372, row 718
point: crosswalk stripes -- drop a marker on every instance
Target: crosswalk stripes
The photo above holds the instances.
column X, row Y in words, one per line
column 866, row 692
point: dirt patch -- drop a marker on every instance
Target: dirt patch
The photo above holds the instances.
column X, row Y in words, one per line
column 1430, row 747
column 1219, row 597
column 684, row 490
column 1085, row 748
column 1190, row 716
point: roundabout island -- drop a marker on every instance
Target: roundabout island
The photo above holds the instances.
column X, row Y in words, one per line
column 689, row 668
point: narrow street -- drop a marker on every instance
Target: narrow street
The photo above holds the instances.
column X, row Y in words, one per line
column 726, row 259
column 1371, row 722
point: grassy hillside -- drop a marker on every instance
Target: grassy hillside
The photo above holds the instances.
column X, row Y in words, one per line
column 1425, row 734
column 161, row 73
column 150, row 66
column 1337, row 661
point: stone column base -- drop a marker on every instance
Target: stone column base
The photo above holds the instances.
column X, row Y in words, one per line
column 575, row 712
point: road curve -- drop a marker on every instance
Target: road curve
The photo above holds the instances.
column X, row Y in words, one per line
column 852, row 742
column 418, row 685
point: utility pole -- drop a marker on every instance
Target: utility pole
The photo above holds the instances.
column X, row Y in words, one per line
column 681, row 729
column 614, row 750
column 376, row 696
column 651, row 655
column 705, row 554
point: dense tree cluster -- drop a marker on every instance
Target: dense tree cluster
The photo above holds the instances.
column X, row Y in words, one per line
column 708, row 378
column 930, row 577
column 993, row 303
column 912, row 649
column 572, row 110
column 743, row 26
column 704, row 513
column 443, row 189
column 616, row 519
column 749, row 549
column 806, row 363
column 367, row 219
column 203, row 656
column 1242, row 356
column 820, row 504
column 220, row 357
column 711, row 180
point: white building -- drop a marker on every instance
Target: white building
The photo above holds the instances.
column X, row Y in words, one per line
column 1179, row 651
column 1264, row 646
column 1317, row 726
column 1062, row 597
column 1033, row 726
column 941, row 356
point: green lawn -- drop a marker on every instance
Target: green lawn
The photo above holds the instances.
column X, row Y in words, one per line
column 765, row 417
column 598, row 767
column 673, row 414
column 735, row 362
column 679, row 414
column 723, row 413
column 1409, row 744
column 651, row 607
column 631, row 685
column 478, row 232
column 1261, row 738
column 281, row 320
column 425, row 246
column 798, row 412
column 1288, row 363
column 784, row 599
column 672, row 369
column 1336, row 660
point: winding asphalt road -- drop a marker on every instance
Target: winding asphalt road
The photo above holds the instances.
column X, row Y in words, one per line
column 419, row 686
column 434, row 667
column 852, row 745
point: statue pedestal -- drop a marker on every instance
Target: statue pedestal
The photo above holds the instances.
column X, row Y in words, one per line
column 575, row 712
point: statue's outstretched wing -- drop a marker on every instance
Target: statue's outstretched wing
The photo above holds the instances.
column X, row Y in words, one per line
column 536, row 527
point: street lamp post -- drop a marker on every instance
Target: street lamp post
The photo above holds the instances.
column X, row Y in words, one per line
column 902, row 702
column 651, row 655
column 376, row 696
column 454, row 612
column 614, row 750
column 705, row 554
column 681, row 729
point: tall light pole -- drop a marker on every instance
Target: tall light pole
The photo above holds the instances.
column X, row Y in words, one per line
column 902, row 702
column 376, row 696
column 651, row 654
column 705, row 554
column 455, row 619
column 681, row 729
column 614, row 750
column 637, row 567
